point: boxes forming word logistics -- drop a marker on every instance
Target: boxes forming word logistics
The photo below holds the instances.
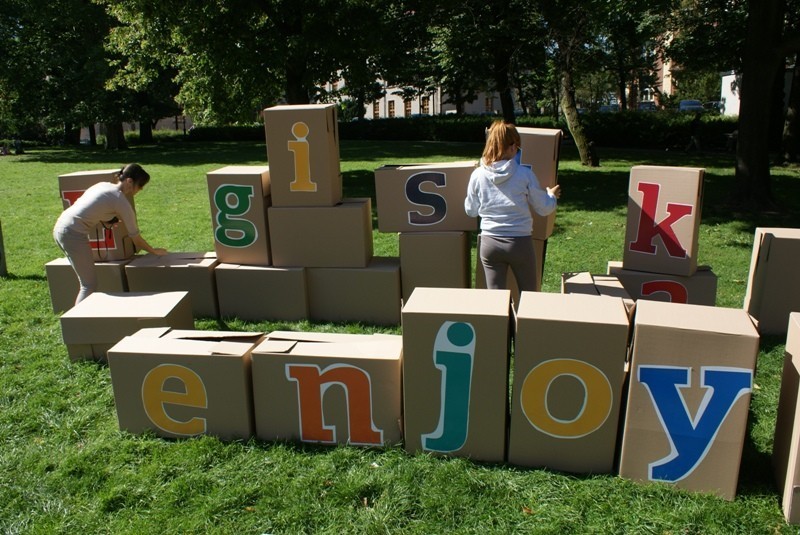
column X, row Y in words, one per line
column 423, row 197
column 569, row 370
column 773, row 287
column 663, row 224
column 328, row 388
column 108, row 242
column 786, row 448
column 64, row 286
column 690, row 384
column 258, row 293
column 303, row 154
column 434, row 260
column 455, row 372
column 181, row 383
column 94, row 325
column 239, row 197
column 192, row 272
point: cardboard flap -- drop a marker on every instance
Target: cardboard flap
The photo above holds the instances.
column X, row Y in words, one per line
column 168, row 346
column 275, row 346
column 211, row 336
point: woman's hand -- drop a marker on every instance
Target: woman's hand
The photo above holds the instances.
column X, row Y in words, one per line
column 555, row 191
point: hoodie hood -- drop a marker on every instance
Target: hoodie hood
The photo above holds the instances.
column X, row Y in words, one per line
column 499, row 171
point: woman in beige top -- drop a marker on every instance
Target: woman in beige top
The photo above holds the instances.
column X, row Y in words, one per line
column 104, row 202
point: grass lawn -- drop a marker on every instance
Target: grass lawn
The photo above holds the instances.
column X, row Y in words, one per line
column 66, row 468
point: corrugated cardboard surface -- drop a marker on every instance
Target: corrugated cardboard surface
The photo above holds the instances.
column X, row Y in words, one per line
column 468, row 328
column 786, row 446
column 570, row 353
column 673, row 189
column 260, row 293
column 698, row 339
column 184, row 383
column 63, row 282
column 371, row 362
column 192, row 272
column 103, row 319
column 243, row 227
column 107, row 244
column 423, row 197
column 334, row 236
column 698, row 289
column 592, row 284
column 773, row 287
column 540, row 149
column 370, row 295
column 434, row 260
column 317, row 126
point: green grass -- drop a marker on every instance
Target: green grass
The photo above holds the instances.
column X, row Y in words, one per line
column 66, row 468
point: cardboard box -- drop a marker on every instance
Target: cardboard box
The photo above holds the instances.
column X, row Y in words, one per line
column 434, row 260
column 370, row 295
column 240, row 196
column 540, row 246
column 664, row 205
column 569, row 370
column 303, row 154
column 773, row 287
column 539, row 150
column 184, row 383
column 455, row 372
column 786, row 446
column 64, row 286
column 333, row 236
column 258, row 293
column 588, row 284
column 107, row 244
column 328, row 388
column 94, row 325
column 698, row 289
column 192, row 272
column 424, row 197
column 690, row 385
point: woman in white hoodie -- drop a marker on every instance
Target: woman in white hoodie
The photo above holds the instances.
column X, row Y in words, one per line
column 502, row 193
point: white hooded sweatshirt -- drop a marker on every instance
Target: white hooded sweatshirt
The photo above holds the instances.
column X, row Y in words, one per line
column 503, row 194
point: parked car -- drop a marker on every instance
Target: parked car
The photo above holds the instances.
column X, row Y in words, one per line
column 690, row 105
column 648, row 105
column 714, row 106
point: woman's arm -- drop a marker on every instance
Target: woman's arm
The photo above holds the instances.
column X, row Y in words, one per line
column 141, row 243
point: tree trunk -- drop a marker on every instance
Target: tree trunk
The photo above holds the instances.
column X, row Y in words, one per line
column 115, row 136
column 92, row 135
column 761, row 61
column 573, row 119
column 791, row 125
column 145, row 131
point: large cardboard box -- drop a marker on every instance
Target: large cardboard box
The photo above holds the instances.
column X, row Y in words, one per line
column 258, row 293
column 193, row 272
column 455, row 372
column 184, row 383
column 240, row 196
column 539, row 246
column 94, row 325
column 773, row 287
column 108, row 242
column 539, row 150
column 434, row 260
column 664, row 205
column 786, row 446
column 303, row 154
column 589, row 284
column 328, row 388
column 569, row 369
column 423, row 197
column 332, row 236
column 698, row 289
column 64, row 286
column 690, row 385
column 370, row 295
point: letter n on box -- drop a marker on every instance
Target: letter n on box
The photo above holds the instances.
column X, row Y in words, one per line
column 663, row 224
column 328, row 388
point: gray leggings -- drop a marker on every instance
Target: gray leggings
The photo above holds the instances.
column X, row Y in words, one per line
column 79, row 253
column 498, row 254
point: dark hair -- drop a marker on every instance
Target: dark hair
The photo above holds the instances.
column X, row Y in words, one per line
column 135, row 172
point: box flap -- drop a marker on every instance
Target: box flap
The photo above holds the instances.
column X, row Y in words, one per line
column 166, row 346
column 188, row 334
column 275, row 346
